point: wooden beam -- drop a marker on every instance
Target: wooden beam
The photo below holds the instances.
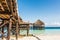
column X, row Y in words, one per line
column 5, row 12
column 5, row 5
column 27, row 30
column 3, row 24
column 2, row 33
column 1, row 7
column 17, row 30
column 11, row 6
column 13, row 19
column 4, row 16
column 9, row 28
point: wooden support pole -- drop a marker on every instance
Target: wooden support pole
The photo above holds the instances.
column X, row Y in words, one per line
column 27, row 30
column 16, row 30
column 19, row 31
column 2, row 33
column 9, row 28
column 3, row 24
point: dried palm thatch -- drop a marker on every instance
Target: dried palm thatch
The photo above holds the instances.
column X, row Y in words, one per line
column 39, row 23
column 21, row 21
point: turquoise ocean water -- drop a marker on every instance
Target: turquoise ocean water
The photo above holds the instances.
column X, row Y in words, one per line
column 46, row 31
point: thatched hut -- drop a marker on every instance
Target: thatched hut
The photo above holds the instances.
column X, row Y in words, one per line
column 38, row 25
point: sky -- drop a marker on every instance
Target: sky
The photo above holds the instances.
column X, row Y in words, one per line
column 47, row 11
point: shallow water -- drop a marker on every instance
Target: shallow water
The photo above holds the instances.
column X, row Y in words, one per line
column 46, row 31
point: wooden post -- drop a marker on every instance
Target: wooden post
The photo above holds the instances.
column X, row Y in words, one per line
column 27, row 30
column 2, row 33
column 16, row 30
column 19, row 29
column 9, row 28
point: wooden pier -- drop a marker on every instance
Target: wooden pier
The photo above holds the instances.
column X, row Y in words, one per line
column 10, row 19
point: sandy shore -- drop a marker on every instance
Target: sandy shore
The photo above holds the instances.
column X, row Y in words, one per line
column 41, row 37
column 49, row 37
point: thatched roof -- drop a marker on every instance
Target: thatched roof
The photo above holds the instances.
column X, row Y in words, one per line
column 21, row 21
column 39, row 22
column 6, row 7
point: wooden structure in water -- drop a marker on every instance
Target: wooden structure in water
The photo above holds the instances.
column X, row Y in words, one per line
column 9, row 18
column 23, row 25
column 38, row 25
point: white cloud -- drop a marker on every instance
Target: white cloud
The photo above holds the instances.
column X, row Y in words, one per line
column 57, row 23
column 53, row 24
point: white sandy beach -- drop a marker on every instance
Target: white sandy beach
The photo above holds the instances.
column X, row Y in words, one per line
column 50, row 37
column 42, row 37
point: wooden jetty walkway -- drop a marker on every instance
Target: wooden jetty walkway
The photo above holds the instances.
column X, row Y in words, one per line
column 9, row 18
